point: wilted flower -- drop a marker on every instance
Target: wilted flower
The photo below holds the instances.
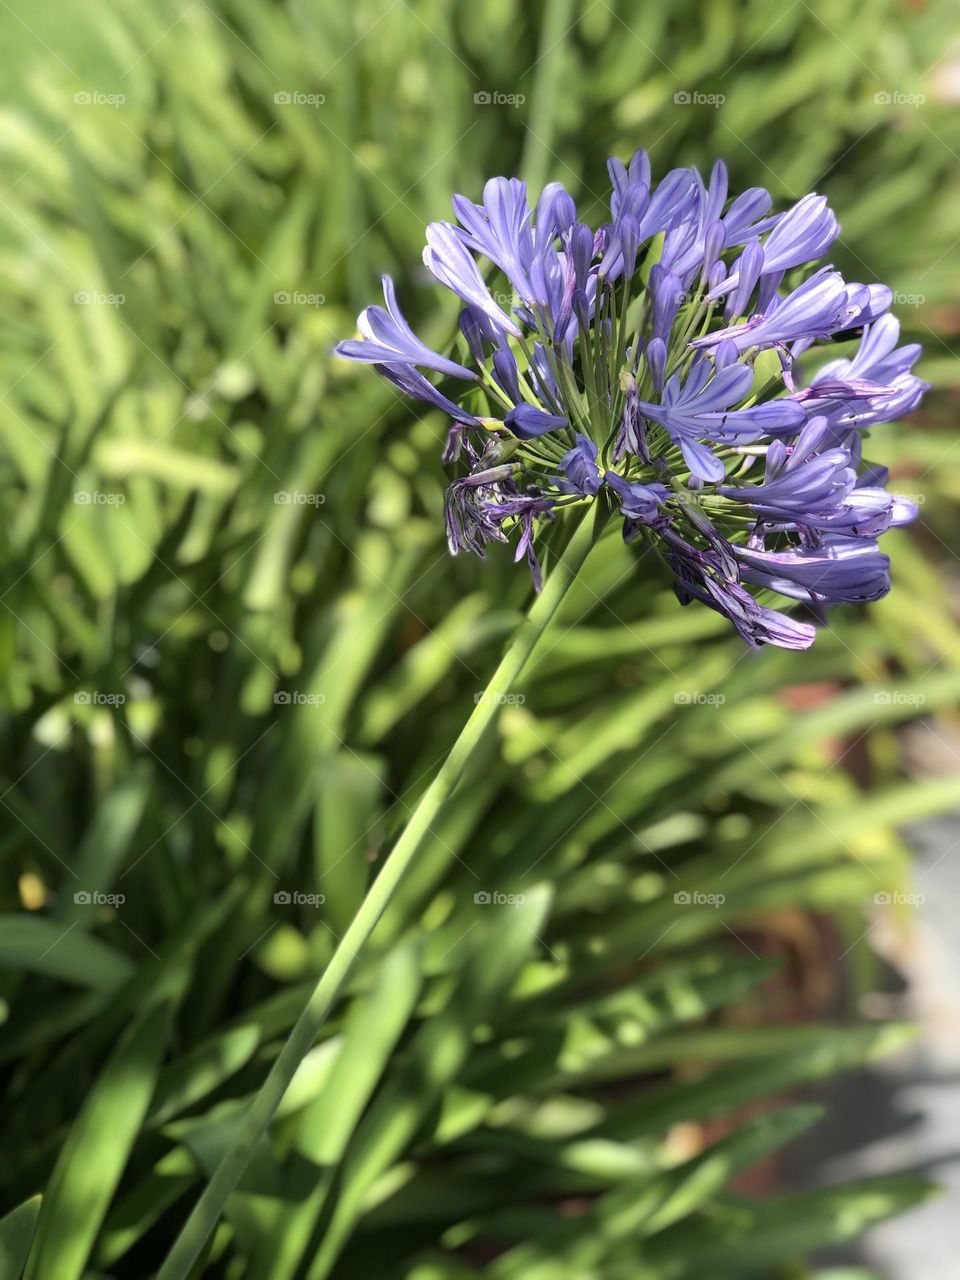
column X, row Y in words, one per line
column 663, row 364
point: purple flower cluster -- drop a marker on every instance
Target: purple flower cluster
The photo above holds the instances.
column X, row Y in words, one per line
column 666, row 364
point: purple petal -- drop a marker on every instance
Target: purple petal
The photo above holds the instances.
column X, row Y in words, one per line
column 527, row 421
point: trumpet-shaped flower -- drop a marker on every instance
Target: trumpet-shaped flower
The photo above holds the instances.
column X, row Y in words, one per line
column 660, row 365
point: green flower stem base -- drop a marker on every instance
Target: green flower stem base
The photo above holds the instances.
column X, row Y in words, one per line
column 206, row 1213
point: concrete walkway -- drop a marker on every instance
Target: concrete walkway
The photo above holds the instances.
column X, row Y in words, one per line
column 904, row 1114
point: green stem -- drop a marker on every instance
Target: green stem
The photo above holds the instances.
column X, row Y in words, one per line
column 558, row 23
column 206, row 1212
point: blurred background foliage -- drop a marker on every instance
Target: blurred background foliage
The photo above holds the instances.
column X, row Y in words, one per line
column 234, row 649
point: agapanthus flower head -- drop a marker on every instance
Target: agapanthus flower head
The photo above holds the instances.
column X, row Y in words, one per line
column 665, row 363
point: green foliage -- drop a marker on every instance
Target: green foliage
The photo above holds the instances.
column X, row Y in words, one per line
column 234, row 650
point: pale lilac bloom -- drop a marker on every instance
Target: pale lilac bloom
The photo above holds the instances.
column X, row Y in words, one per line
column 446, row 258
column 815, row 309
column 389, row 340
